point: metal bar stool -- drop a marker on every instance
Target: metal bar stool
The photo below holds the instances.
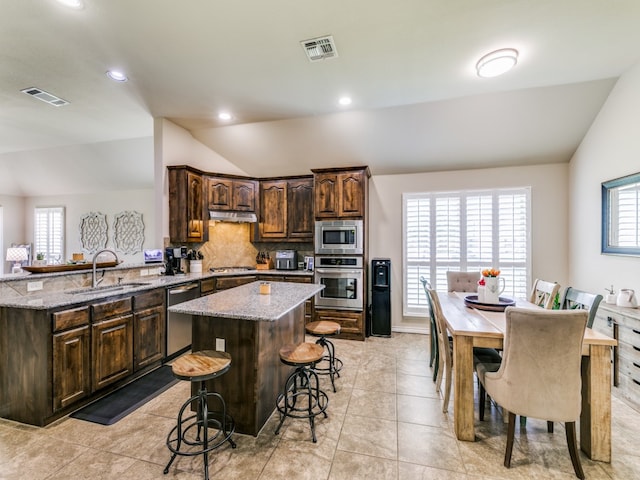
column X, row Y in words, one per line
column 200, row 367
column 302, row 397
column 324, row 329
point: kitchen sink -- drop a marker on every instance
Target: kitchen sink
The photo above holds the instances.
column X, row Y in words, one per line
column 105, row 288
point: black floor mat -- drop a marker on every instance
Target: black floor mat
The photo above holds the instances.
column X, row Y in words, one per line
column 108, row 410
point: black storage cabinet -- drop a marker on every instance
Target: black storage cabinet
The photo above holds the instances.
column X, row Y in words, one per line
column 381, row 297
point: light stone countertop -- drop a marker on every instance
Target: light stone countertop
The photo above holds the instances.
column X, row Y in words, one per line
column 44, row 299
column 246, row 303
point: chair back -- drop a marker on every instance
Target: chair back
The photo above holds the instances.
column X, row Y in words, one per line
column 441, row 325
column 462, row 281
column 540, row 372
column 543, row 293
column 574, row 298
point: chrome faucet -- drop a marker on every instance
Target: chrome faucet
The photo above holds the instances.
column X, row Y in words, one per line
column 94, row 281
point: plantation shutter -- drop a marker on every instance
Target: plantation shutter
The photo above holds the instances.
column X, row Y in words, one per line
column 49, row 233
column 464, row 231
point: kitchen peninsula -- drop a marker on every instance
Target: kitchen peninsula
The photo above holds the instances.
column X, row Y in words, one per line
column 251, row 327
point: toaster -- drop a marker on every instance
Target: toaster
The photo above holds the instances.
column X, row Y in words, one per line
column 286, row 260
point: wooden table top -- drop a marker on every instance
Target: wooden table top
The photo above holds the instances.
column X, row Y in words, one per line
column 463, row 320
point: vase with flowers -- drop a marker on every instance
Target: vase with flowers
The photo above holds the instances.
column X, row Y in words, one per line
column 493, row 289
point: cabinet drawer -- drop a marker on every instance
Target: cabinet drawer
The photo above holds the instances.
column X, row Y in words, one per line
column 223, row 283
column 110, row 309
column 298, row 279
column 351, row 323
column 629, row 336
column 149, row 299
column 207, row 286
column 70, row 318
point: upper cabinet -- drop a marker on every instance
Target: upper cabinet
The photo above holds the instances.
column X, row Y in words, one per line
column 286, row 210
column 231, row 194
column 186, row 215
column 340, row 193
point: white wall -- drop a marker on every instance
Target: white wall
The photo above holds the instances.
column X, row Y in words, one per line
column 109, row 203
column 13, row 230
column 549, row 204
column 611, row 149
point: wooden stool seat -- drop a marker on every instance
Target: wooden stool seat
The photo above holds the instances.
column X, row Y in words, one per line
column 323, row 327
column 301, row 353
column 199, row 366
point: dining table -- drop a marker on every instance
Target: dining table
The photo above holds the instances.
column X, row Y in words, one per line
column 475, row 326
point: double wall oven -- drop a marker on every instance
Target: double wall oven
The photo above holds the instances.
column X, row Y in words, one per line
column 339, row 264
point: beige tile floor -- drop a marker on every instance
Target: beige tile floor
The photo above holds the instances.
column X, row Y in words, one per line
column 385, row 422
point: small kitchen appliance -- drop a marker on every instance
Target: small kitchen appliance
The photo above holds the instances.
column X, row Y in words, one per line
column 174, row 260
column 339, row 237
column 286, row 260
column 627, row 298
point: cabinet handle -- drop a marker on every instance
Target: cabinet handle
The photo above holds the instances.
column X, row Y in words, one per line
column 636, row 365
column 635, row 331
column 635, row 381
column 636, row 348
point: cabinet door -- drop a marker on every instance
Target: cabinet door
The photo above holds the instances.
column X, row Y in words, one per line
column 219, row 193
column 71, row 367
column 351, row 323
column 148, row 326
column 112, row 350
column 244, row 195
column 351, row 194
column 300, row 221
column 326, row 195
column 273, row 209
column 186, row 222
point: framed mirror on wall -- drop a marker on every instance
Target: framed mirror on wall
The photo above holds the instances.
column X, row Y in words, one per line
column 621, row 216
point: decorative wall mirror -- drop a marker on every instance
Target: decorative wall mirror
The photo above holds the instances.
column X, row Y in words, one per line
column 621, row 216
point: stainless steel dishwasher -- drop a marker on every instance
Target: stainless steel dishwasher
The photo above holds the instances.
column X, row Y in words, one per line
column 179, row 324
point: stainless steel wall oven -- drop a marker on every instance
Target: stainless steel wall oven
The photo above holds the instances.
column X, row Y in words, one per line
column 343, row 278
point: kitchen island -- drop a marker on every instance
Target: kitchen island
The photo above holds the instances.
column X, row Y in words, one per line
column 251, row 327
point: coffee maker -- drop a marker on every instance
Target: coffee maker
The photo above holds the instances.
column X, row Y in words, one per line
column 174, row 256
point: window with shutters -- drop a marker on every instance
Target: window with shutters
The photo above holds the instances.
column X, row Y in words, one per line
column 1, row 243
column 626, row 214
column 464, row 231
column 48, row 233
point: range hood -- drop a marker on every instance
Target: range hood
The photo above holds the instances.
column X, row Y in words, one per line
column 235, row 217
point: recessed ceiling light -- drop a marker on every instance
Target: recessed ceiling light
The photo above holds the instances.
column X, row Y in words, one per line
column 497, row 62
column 77, row 4
column 224, row 116
column 117, row 75
column 345, row 101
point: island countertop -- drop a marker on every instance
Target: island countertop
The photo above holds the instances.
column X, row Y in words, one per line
column 246, row 303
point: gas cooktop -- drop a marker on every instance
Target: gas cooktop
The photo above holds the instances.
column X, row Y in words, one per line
column 230, row 269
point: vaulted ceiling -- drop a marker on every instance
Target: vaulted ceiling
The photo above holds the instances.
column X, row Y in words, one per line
column 408, row 66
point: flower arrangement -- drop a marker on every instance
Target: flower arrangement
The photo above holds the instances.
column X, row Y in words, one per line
column 490, row 272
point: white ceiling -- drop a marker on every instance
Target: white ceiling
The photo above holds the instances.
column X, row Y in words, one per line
column 408, row 64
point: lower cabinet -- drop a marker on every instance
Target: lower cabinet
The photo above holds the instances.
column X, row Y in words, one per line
column 148, row 327
column 351, row 323
column 224, row 283
column 112, row 350
column 71, row 366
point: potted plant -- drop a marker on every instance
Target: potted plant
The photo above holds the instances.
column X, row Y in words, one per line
column 39, row 261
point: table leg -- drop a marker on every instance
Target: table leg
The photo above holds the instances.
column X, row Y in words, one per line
column 595, row 419
column 463, row 410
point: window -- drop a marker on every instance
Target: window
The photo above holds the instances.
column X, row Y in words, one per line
column 48, row 233
column 464, row 231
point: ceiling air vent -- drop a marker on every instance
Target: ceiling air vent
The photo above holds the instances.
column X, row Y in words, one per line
column 320, row 48
column 45, row 96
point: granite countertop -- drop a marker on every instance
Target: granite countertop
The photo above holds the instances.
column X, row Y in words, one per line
column 246, row 303
column 42, row 300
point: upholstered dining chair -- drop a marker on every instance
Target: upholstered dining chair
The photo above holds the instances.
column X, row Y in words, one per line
column 574, row 298
column 462, row 281
column 433, row 335
column 544, row 293
column 526, row 385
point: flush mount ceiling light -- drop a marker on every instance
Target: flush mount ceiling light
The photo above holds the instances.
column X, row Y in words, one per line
column 224, row 116
column 77, row 4
column 117, row 75
column 344, row 101
column 497, row 62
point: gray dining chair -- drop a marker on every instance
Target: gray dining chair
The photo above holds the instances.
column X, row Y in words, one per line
column 574, row 298
column 549, row 389
column 434, row 359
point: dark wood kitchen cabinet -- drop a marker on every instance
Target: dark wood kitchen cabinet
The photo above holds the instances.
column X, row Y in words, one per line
column 351, row 323
column 149, row 328
column 187, row 217
column 111, row 342
column 340, row 193
column 231, row 194
column 71, row 359
column 286, row 210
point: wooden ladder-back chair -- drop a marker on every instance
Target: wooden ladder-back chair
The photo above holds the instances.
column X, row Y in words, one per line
column 544, row 293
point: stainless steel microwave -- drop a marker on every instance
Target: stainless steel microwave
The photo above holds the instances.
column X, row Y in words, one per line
column 339, row 237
